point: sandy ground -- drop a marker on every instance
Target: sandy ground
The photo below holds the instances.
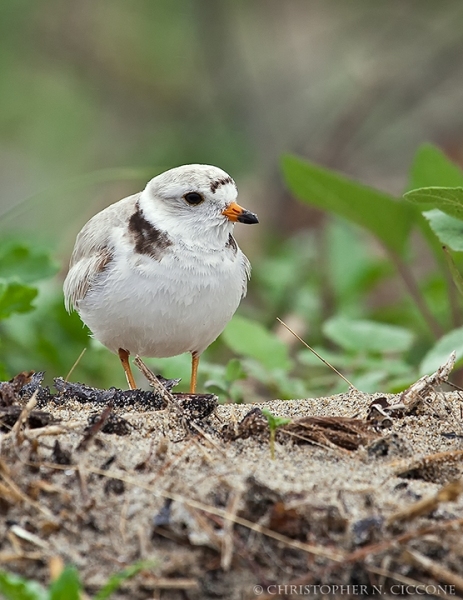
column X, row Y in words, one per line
column 200, row 498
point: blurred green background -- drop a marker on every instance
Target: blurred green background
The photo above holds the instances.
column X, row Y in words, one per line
column 98, row 96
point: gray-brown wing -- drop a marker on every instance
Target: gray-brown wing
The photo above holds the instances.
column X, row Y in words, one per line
column 94, row 250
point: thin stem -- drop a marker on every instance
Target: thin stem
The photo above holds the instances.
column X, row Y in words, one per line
column 272, row 443
column 71, row 370
column 415, row 292
column 351, row 385
column 455, row 309
column 454, row 282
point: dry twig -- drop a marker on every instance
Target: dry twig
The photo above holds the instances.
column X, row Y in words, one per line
column 16, row 430
column 16, row 490
column 416, row 393
column 325, row 362
column 154, row 381
column 448, row 493
column 440, row 573
column 95, row 428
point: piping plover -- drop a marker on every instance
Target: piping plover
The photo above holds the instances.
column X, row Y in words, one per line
column 159, row 273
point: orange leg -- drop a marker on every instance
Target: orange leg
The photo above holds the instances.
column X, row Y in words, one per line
column 194, row 371
column 124, row 356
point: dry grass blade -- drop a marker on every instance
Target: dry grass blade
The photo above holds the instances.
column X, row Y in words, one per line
column 325, row 362
column 29, row 537
column 78, row 359
column 8, row 494
column 440, row 573
column 51, row 430
column 448, row 493
column 391, row 575
column 207, row 438
column 227, row 543
column 82, row 480
column 16, row 430
column 12, row 557
column 374, row 549
column 154, row 381
column 5, row 475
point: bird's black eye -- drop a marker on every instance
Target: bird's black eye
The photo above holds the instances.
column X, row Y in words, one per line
column 193, row 198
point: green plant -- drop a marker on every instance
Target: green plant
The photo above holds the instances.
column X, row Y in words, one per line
column 14, row 587
column 397, row 341
column 66, row 587
column 273, row 423
column 226, row 378
column 21, row 267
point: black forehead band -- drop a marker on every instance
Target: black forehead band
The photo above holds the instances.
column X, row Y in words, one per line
column 218, row 182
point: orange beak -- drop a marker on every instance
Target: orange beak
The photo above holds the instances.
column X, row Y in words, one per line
column 234, row 212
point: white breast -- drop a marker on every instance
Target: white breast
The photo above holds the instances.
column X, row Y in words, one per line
column 180, row 303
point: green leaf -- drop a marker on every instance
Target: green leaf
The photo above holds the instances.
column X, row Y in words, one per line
column 15, row 297
column 251, row 339
column 384, row 216
column 215, row 387
column 431, row 167
column 372, row 381
column 367, row 336
column 66, row 586
column 446, row 199
column 440, row 352
column 448, row 229
column 28, row 265
column 115, row 581
column 352, row 268
column 273, row 420
column 234, row 370
column 13, row 587
column 289, row 388
column 277, row 380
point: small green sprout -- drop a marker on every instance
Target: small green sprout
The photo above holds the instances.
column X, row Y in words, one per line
column 273, row 423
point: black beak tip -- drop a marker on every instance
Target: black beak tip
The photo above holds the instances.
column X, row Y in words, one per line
column 248, row 217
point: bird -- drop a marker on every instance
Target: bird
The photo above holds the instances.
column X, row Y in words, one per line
column 159, row 273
